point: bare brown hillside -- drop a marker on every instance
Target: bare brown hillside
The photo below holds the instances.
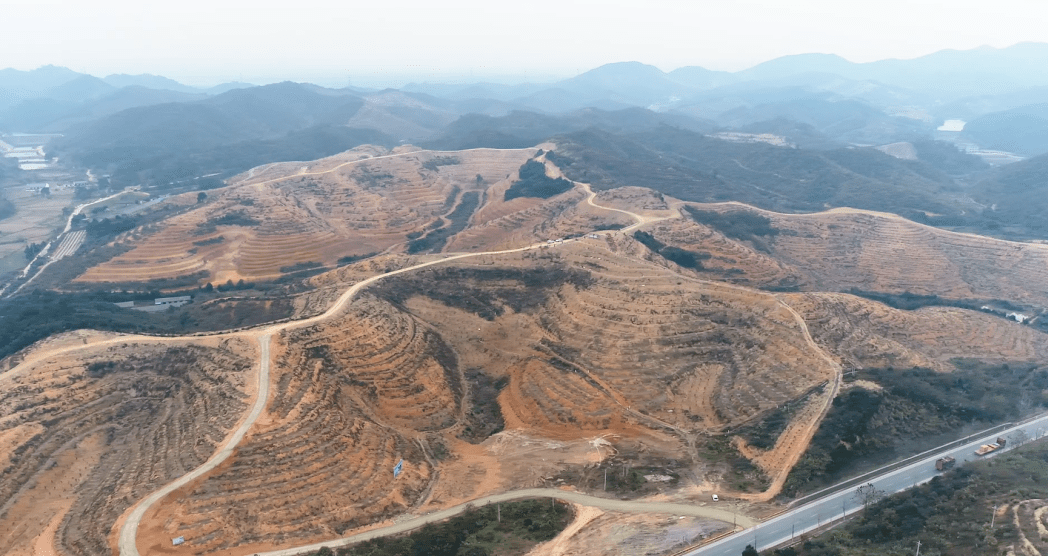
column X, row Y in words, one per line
column 864, row 333
column 845, row 249
column 85, row 436
column 571, row 337
column 632, row 331
column 508, row 344
column 352, row 397
column 350, row 205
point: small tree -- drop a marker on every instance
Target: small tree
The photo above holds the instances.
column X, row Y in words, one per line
column 32, row 249
column 868, row 495
column 749, row 551
column 201, row 197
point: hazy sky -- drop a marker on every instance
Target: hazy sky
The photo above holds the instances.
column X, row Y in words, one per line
column 329, row 42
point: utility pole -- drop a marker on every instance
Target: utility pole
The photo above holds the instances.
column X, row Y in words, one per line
column 993, row 517
column 605, row 478
column 498, row 508
column 918, row 548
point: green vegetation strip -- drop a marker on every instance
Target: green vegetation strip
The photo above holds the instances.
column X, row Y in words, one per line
column 534, row 182
column 505, row 529
column 915, row 409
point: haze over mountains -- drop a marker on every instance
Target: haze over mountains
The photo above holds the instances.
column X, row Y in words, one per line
column 959, row 82
column 153, row 131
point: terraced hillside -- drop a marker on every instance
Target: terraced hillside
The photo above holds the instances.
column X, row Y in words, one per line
column 628, row 326
column 847, row 249
column 483, row 355
column 352, row 397
column 280, row 216
column 84, row 437
column 866, row 334
column 589, row 339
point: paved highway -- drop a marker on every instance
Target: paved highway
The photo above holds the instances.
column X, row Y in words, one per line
column 834, row 506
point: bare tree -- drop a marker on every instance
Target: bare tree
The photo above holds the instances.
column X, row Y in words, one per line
column 868, row 495
column 1019, row 437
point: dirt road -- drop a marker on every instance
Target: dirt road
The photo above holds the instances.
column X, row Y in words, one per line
column 263, row 335
column 129, row 531
column 625, row 506
column 799, row 435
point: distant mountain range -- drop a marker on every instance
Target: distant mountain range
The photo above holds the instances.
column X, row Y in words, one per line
column 58, row 83
column 52, row 99
column 941, row 77
column 1022, row 130
column 151, row 129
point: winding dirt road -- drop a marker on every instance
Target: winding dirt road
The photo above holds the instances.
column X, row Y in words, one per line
column 798, row 435
column 625, row 506
column 263, row 335
column 129, row 532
